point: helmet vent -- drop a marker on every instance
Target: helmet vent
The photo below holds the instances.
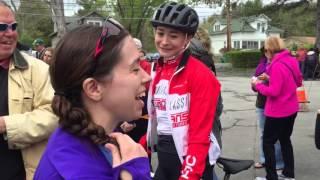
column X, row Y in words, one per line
column 166, row 13
column 185, row 18
column 157, row 15
column 179, row 8
column 174, row 17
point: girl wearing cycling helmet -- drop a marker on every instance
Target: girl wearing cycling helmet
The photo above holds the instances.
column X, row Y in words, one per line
column 182, row 98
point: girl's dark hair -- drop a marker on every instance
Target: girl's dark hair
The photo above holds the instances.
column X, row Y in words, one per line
column 262, row 49
column 73, row 61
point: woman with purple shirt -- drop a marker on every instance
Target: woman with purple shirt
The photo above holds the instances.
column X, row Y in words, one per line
column 260, row 104
column 98, row 83
column 281, row 106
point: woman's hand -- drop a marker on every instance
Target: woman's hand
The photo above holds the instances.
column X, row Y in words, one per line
column 255, row 81
column 128, row 149
column 263, row 77
column 127, row 127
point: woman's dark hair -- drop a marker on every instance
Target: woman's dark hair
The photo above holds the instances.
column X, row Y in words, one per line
column 262, row 51
column 73, row 61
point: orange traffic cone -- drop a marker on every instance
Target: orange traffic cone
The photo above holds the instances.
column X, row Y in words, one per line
column 302, row 99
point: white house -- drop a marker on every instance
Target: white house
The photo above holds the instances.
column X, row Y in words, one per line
column 246, row 32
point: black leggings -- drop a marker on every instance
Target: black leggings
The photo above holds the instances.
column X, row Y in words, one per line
column 169, row 166
column 278, row 129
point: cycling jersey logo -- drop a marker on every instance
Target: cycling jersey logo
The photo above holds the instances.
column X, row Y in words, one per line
column 190, row 163
column 178, row 105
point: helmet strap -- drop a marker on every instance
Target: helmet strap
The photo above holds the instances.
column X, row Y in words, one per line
column 179, row 52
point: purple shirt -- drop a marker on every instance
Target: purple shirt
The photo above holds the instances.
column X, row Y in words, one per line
column 284, row 78
column 71, row 157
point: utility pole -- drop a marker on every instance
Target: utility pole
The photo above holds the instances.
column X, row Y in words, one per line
column 228, row 7
column 318, row 25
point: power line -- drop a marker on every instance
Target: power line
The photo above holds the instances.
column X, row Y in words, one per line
column 76, row 17
column 39, row 2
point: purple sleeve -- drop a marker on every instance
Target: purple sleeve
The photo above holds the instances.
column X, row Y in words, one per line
column 139, row 168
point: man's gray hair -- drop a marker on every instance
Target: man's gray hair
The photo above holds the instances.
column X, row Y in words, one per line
column 3, row 3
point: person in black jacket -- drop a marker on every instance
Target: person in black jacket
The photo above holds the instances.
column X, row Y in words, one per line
column 317, row 131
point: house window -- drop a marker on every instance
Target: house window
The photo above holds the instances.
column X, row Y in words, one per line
column 250, row 45
column 258, row 26
column 217, row 28
column 95, row 23
column 236, row 44
column 244, row 44
column 263, row 27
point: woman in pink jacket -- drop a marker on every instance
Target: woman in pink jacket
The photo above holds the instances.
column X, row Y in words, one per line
column 281, row 106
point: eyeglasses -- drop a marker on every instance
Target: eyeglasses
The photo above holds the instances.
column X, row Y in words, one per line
column 111, row 27
column 4, row 27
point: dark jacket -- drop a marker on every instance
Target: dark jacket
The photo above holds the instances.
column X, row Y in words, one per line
column 317, row 132
column 260, row 69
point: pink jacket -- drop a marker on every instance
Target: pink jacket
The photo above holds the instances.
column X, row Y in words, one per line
column 285, row 77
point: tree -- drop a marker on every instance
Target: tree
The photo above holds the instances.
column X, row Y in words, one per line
column 308, row 13
column 34, row 20
column 248, row 8
column 318, row 25
column 135, row 16
column 88, row 6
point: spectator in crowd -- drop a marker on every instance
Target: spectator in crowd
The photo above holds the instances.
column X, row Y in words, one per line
column 26, row 118
column 260, row 73
column 281, row 107
column 47, row 56
column 39, row 46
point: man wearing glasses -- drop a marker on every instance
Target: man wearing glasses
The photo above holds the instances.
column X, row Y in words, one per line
column 26, row 119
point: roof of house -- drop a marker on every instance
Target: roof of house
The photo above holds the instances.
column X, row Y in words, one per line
column 274, row 29
column 237, row 25
column 242, row 24
column 74, row 21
